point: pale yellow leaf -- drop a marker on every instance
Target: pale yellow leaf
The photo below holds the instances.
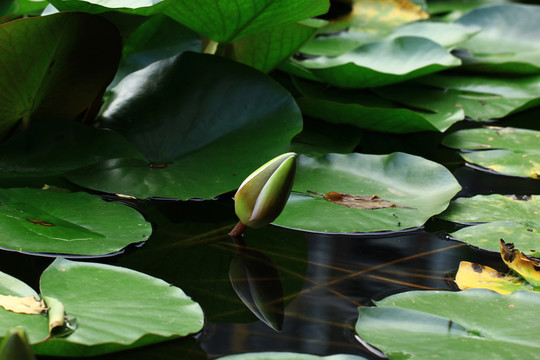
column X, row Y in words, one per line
column 22, row 305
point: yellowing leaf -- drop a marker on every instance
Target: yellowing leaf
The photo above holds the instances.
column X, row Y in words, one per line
column 358, row 202
column 470, row 276
column 374, row 15
column 525, row 266
column 22, row 305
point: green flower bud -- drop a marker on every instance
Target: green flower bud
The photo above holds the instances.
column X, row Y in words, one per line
column 263, row 195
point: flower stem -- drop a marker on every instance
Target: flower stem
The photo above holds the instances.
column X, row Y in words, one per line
column 238, row 230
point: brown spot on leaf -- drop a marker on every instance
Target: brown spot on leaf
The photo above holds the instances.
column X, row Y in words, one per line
column 477, row 268
column 511, row 306
column 40, row 222
column 530, row 230
column 371, row 202
column 508, row 252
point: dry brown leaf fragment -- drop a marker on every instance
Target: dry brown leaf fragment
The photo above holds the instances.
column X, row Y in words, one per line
column 371, row 202
column 526, row 266
column 22, row 305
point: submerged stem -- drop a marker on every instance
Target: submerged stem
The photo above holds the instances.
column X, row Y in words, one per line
column 238, row 230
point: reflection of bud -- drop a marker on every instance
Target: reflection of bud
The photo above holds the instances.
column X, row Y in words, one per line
column 263, row 195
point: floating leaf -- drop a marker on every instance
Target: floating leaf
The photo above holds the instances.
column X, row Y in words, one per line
column 480, row 97
column 519, row 262
column 74, row 56
column 104, row 308
column 384, row 62
column 34, row 220
column 473, row 276
column 457, row 324
column 518, row 154
column 504, row 44
column 423, row 192
column 512, row 218
column 201, row 144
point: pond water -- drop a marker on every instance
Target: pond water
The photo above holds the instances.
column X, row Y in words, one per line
column 310, row 284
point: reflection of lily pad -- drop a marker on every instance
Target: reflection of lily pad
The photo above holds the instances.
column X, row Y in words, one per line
column 117, row 308
column 509, row 151
column 34, row 220
column 514, row 220
column 509, row 40
column 457, row 324
column 383, row 62
column 422, row 187
column 198, row 142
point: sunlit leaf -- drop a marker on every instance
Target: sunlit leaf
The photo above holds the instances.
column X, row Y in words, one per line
column 34, row 220
column 72, row 59
column 473, row 276
column 456, row 324
column 528, row 268
column 504, row 44
column 200, row 143
column 422, row 193
column 384, row 62
column 516, row 151
column 485, row 236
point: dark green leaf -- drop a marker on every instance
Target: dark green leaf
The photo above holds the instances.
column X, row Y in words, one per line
column 54, row 66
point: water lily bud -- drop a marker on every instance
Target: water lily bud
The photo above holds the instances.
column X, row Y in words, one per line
column 263, row 195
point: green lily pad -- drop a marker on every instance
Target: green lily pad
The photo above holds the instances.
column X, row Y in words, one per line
column 229, row 20
column 486, row 236
column 34, row 220
column 504, row 44
column 74, row 56
column 54, row 147
column 518, row 154
column 368, row 111
column 447, row 35
column 198, row 142
column 505, row 217
column 428, row 324
column 384, row 62
column 481, row 97
column 288, row 356
column 117, row 308
column 419, row 188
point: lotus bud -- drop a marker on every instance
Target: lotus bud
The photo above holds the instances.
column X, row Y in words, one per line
column 263, row 195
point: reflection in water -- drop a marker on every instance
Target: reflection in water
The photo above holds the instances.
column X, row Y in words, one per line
column 344, row 272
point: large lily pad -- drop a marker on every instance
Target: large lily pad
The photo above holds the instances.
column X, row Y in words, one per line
column 509, row 40
column 54, row 66
column 197, row 142
column 429, row 324
column 481, row 97
column 34, row 220
column 518, row 152
column 515, row 221
column 384, row 62
column 419, row 188
column 368, row 111
column 115, row 308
